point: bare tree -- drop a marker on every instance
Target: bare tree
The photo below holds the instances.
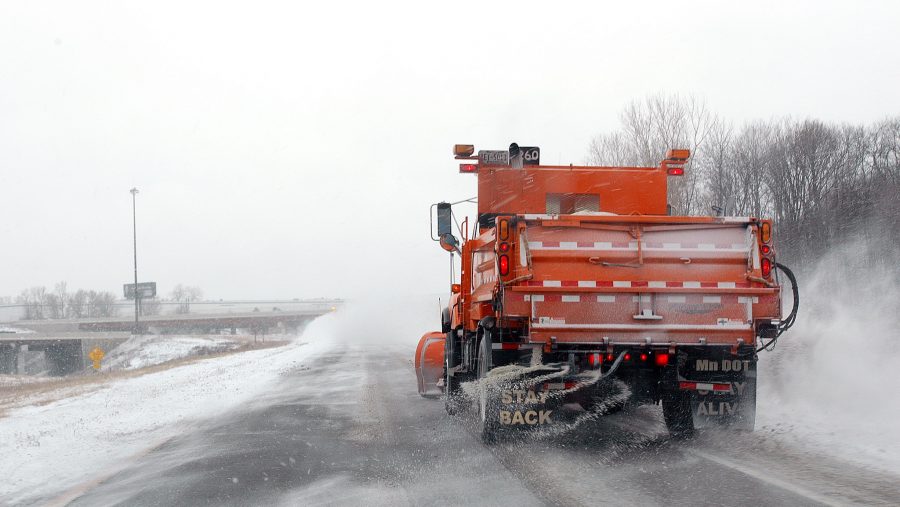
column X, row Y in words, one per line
column 62, row 299
column 78, row 304
column 150, row 306
column 185, row 295
column 101, row 304
column 34, row 301
column 652, row 127
column 823, row 183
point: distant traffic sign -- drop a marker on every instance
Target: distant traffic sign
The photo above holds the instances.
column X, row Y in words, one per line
column 96, row 356
column 144, row 290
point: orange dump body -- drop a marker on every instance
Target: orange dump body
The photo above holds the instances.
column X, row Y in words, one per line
column 596, row 280
column 607, row 265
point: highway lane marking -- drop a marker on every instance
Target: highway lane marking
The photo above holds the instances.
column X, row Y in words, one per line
column 633, row 424
column 760, row 476
column 79, row 490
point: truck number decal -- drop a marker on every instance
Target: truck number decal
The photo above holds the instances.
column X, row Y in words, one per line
column 723, row 365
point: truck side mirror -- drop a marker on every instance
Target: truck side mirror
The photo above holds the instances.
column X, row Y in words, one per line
column 444, row 219
column 445, row 228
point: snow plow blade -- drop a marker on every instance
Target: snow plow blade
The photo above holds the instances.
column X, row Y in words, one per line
column 430, row 364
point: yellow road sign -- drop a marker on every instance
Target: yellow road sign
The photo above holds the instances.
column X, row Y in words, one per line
column 96, row 356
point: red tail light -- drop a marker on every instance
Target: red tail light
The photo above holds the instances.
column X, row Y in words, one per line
column 504, row 265
column 628, row 357
column 609, row 357
column 594, row 359
column 661, row 359
column 675, row 171
column 643, row 357
column 766, row 268
column 468, row 168
column 766, row 249
column 504, row 247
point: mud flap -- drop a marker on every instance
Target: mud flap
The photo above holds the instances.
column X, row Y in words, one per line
column 429, row 364
column 735, row 409
column 522, row 408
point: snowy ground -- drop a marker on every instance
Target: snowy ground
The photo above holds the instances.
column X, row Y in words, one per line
column 63, row 443
column 9, row 329
column 148, row 350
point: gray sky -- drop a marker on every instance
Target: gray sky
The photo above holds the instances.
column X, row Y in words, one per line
column 285, row 150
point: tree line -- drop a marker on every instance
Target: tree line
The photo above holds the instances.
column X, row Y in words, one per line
column 40, row 303
column 825, row 184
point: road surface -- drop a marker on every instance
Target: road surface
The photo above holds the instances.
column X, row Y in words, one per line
column 349, row 428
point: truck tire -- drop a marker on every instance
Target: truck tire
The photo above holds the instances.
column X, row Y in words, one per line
column 453, row 401
column 488, row 409
column 678, row 416
column 745, row 418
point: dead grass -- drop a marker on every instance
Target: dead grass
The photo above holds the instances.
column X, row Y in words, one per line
column 48, row 391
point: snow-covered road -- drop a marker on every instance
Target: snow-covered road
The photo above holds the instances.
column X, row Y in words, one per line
column 334, row 418
column 51, row 447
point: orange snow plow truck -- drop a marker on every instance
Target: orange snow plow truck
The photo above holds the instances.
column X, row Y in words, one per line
column 578, row 285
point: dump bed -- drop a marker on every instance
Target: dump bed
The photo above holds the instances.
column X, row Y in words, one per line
column 626, row 279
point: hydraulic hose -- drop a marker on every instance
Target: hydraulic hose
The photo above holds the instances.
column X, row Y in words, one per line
column 786, row 323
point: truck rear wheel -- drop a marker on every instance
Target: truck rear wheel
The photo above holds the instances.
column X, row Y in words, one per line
column 488, row 409
column 678, row 416
column 452, row 393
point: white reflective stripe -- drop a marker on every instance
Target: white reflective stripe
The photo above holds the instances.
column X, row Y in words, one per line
column 706, row 246
column 571, row 298
column 537, row 298
column 670, row 246
column 656, row 285
column 739, row 246
column 704, row 387
column 587, row 283
column 568, row 244
column 550, row 321
column 535, row 245
column 677, row 299
column 602, row 245
column 691, row 285
column 637, row 299
column 604, row 298
column 746, row 299
column 725, row 285
column 712, row 299
column 496, row 346
column 552, row 283
column 735, row 326
column 621, row 284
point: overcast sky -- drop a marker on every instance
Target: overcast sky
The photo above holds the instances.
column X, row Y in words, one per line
column 291, row 149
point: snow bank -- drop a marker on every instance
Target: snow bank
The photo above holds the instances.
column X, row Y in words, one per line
column 833, row 379
column 51, row 448
column 148, row 350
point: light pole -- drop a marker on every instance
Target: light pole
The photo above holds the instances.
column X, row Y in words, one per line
column 134, row 192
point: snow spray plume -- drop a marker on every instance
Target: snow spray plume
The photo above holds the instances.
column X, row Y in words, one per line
column 837, row 371
column 392, row 320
